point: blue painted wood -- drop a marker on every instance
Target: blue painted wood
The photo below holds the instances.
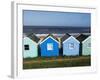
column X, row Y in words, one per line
column 45, row 52
column 71, row 47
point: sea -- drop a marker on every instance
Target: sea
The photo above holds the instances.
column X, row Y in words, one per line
column 56, row 30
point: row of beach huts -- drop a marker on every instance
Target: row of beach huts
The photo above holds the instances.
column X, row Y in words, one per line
column 50, row 45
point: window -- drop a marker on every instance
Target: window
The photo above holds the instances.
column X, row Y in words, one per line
column 71, row 46
column 49, row 46
column 89, row 45
column 26, row 47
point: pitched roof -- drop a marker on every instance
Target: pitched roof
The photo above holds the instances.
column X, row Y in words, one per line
column 82, row 37
column 52, row 37
column 49, row 36
column 65, row 37
column 33, row 37
column 75, row 35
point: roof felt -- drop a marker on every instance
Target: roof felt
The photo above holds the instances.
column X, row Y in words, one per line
column 33, row 37
column 65, row 37
column 51, row 36
column 75, row 35
column 82, row 37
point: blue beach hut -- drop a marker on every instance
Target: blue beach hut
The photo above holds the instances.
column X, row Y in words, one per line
column 49, row 46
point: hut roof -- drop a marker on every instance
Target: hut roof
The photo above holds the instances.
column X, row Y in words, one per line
column 50, row 35
column 82, row 37
column 65, row 37
column 33, row 37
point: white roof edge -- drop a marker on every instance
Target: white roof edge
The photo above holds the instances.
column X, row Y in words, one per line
column 32, row 40
column 47, row 38
column 69, row 38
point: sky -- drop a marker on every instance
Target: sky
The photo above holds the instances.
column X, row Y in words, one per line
column 59, row 19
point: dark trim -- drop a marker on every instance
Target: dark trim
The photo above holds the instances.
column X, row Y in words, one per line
column 80, row 49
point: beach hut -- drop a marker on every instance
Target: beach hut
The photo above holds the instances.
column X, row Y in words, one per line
column 49, row 46
column 70, row 45
column 30, row 46
column 85, row 44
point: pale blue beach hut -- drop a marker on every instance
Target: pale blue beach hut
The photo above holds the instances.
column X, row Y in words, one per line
column 70, row 45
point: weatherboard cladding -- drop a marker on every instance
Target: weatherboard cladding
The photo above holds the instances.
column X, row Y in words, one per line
column 66, row 40
column 81, row 38
column 50, row 39
column 31, row 48
column 86, row 45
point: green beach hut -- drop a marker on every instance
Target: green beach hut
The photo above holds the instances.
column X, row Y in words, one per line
column 85, row 44
column 30, row 46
